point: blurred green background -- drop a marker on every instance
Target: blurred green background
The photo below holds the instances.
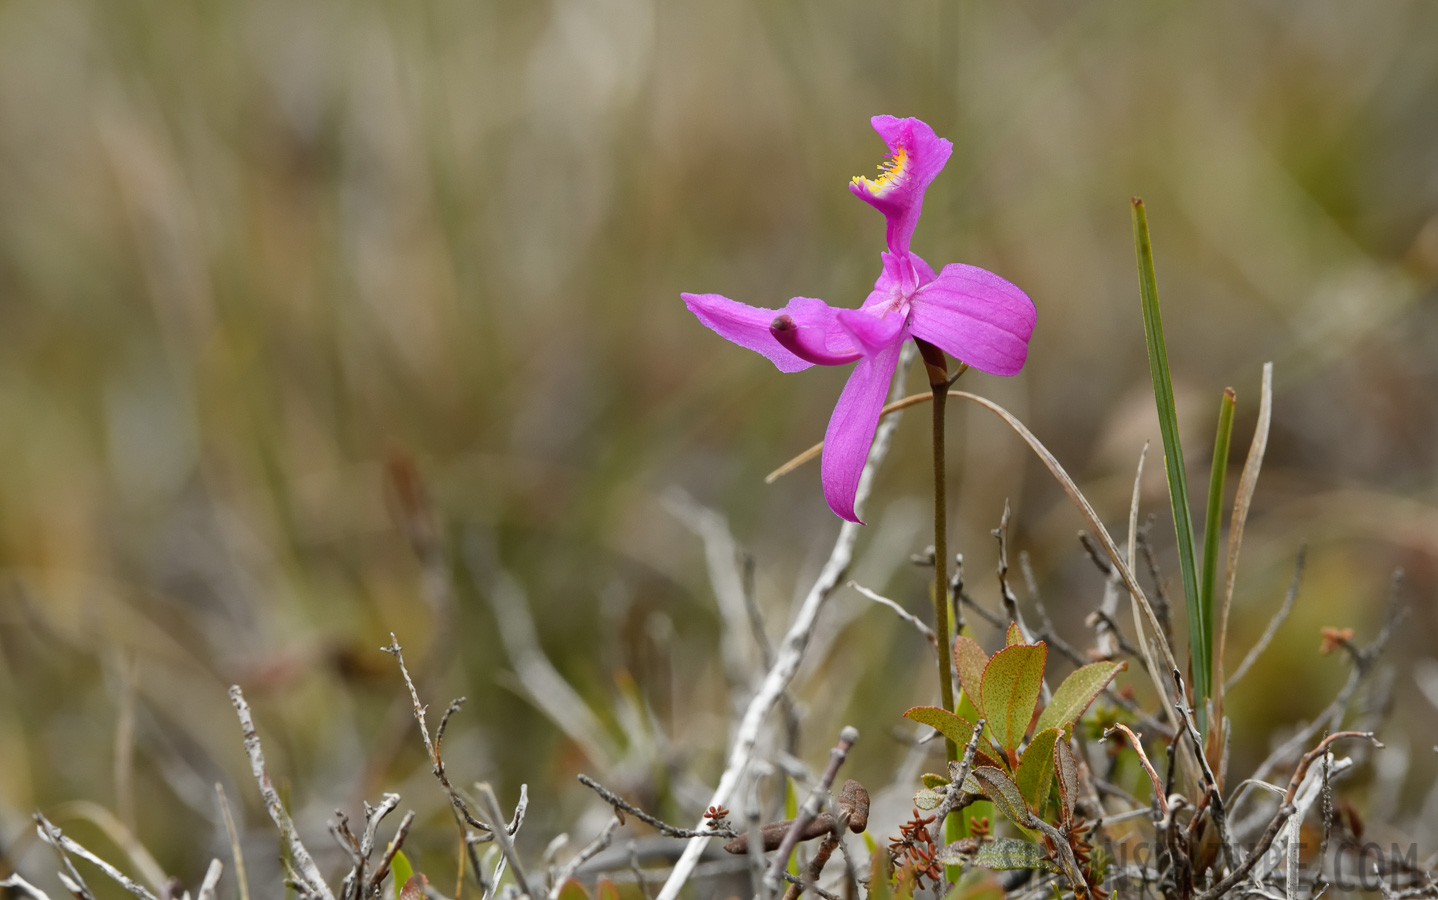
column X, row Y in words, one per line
column 256, row 255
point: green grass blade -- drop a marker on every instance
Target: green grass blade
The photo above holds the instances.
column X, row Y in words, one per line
column 1212, row 517
column 1200, row 653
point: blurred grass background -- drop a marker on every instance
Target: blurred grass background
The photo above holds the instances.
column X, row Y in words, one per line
column 251, row 251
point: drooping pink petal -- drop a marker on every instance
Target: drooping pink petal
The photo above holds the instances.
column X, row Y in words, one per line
column 747, row 326
column 851, row 428
column 872, row 329
column 977, row 317
column 916, row 155
column 810, row 329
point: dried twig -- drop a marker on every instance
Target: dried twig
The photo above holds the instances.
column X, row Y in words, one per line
column 791, row 651
column 502, row 837
column 308, row 874
column 63, row 845
column 566, row 871
column 902, row 613
column 619, row 803
column 812, row 803
column 1285, row 809
column 23, row 888
column 71, row 878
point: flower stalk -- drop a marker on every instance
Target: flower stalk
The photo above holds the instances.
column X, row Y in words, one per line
column 937, row 367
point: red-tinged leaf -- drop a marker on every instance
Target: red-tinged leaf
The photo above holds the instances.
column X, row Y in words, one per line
column 1013, row 637
column 1006, row 796
column 970, row 660
column 1012, row 682
column 606, row 890
column 1036, row 768
column 955, row 728
column 1076, row 693
column 1067, row 773
column 414, row 888
column 570, row 890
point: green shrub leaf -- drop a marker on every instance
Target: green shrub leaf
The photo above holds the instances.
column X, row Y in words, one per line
column 402, row 871
column 955, row 728
column 1001, row 789
column 1076, row 693
column 1012, row 853
column 1036, row 768
column 970, row 660
column 1012, row 682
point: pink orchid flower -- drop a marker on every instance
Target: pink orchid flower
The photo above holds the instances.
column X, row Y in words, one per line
column 967, row 312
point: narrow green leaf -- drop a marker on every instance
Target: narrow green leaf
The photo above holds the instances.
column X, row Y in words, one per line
column 956, row 729
column 1199, row 630
column 606, row 890
column 402, row 871
column 970, row 660
column 1011, row 853
column 1007, row 798
column 880, row 872
column 1036, row 768
column 937, row 782
column 1211, row 522
column 1013, row 636
column 1012, row 682
column 1078, row 690
column 1067, row 772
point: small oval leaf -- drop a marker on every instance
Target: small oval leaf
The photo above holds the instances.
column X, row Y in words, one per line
column 928, row 798
column 1001, row 789
column 1036, row 768
column 1013, row 637
column 936, row 782
column 1012, row 682
column 1076, row 693
column 606, row 890
column 1011, row 853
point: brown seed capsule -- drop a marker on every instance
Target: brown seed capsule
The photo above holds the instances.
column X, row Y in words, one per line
column 854, row 804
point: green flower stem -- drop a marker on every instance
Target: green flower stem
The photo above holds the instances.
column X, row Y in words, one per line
column 937, row 367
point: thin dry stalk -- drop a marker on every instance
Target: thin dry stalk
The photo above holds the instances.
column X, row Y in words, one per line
column 1242, row 500
column 308, row 874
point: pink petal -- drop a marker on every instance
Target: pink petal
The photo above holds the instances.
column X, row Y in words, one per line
column 810, row 329
column 872, row 329
column 851, row 428
column 977, row 317
column 916, row 156
column 892, row 280
column 747, row 326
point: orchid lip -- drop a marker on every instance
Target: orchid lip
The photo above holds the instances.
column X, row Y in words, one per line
column 803, row 343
